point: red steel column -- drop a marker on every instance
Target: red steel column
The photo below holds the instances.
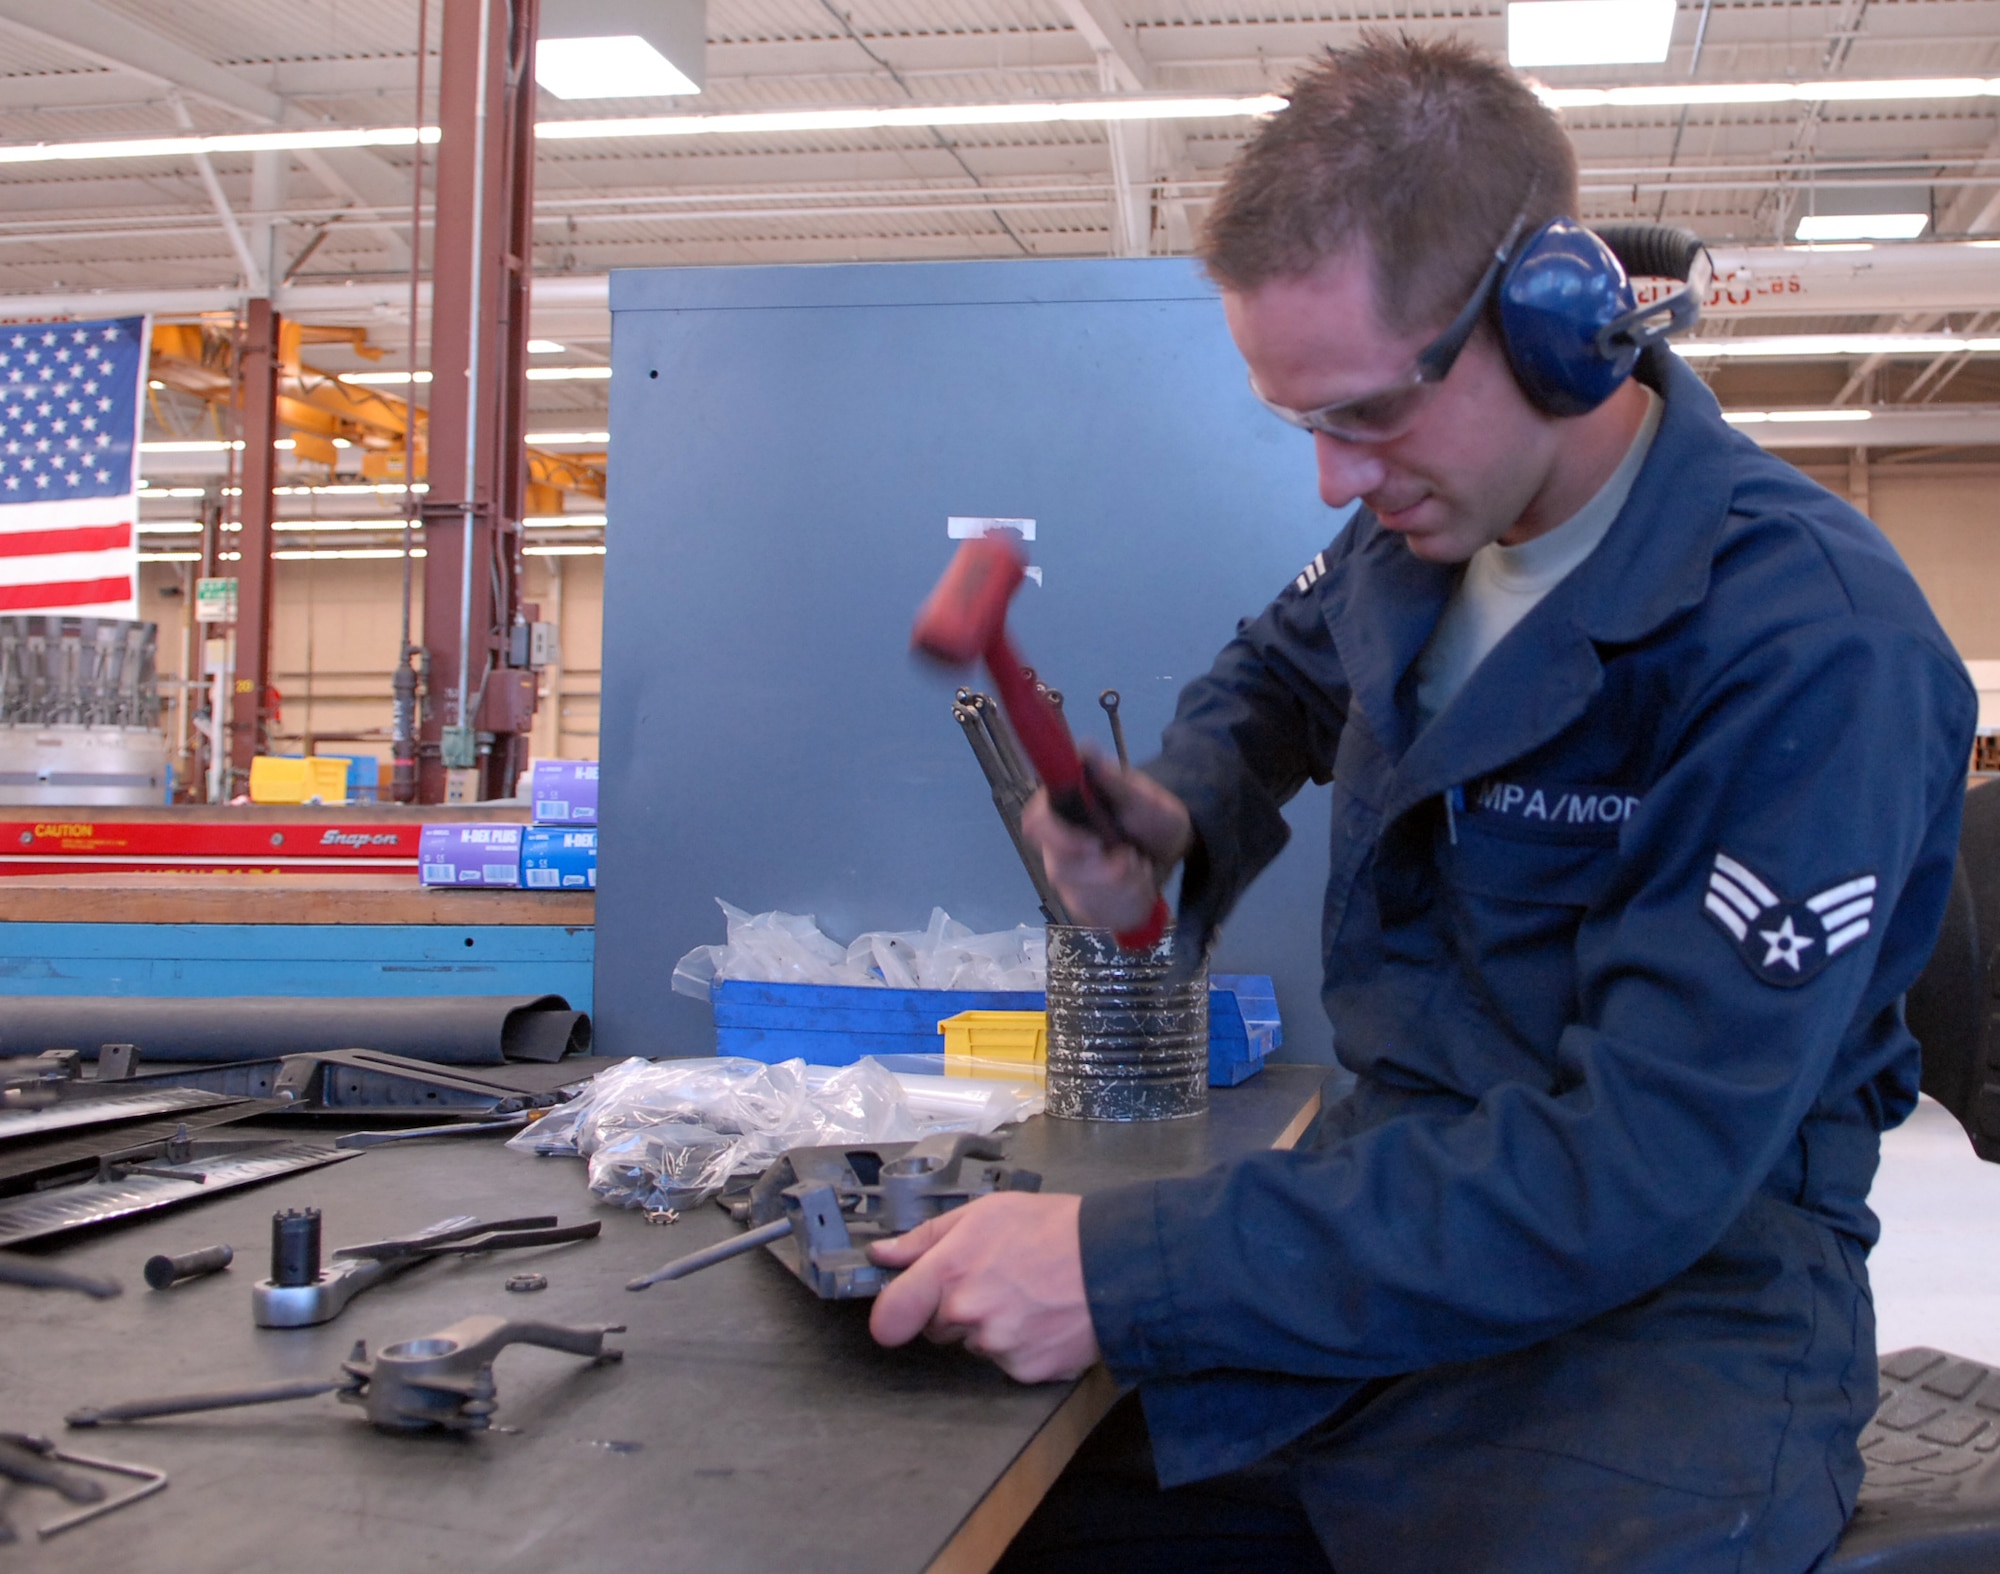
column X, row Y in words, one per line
column 257, row 392
column 477, row 708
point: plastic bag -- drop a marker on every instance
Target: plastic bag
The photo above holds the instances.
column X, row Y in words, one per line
column 778, row 948
column 660, row 1167
column 669, row 1134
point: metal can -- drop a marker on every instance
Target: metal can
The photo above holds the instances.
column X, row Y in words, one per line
column 1128, row 1030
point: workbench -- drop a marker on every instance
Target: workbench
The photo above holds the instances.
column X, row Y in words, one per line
column 140, row 933
column 749, row 1426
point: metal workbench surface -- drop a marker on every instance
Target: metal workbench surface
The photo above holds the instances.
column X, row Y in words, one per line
column 748, row 1427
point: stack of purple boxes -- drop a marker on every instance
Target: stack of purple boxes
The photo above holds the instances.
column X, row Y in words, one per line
column 558, row 852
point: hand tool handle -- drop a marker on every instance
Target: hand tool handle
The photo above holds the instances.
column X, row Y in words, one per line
column 513, row 1240
column 1045, row 737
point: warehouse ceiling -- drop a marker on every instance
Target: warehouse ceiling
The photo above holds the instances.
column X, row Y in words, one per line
column 1737, row 174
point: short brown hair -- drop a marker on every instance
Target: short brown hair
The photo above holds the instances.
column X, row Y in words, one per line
column 1420, row 150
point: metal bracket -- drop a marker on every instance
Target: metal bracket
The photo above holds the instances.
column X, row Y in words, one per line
column 361, row 1080
column 442, row 1381
column 831, row 1203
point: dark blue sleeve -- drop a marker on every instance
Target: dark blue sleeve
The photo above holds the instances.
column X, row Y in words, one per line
column 1819, row 755
column 1244, row 739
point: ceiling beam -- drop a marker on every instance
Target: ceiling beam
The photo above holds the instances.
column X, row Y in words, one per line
column 1110, row 35
column 94, row 32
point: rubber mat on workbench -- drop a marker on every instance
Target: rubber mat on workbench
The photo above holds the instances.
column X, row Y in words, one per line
column 1930, row 1503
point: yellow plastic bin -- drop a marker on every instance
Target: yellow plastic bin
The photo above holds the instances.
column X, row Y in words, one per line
column 311, row 780
column 1009, row 1045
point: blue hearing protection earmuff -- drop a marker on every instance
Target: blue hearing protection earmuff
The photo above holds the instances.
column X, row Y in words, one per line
column 1568, row 321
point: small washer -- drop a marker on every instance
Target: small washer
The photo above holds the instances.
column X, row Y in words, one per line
column 524, row 1282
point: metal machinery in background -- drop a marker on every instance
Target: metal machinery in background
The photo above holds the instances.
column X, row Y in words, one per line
column 479, row 689
column 79, row 712
column 474, row 659
column 258, row 358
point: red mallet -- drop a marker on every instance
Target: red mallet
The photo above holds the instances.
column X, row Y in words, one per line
column 965, row 620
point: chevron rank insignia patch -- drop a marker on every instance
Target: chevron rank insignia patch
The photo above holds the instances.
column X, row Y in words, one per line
column 1311, row 574
column 1786, row 942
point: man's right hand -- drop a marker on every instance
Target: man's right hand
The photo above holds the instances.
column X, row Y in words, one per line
column 1112, row 887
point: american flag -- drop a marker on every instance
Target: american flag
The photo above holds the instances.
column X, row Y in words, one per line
column 69, row 475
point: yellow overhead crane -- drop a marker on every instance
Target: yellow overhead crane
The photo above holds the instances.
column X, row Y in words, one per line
column 315, row 407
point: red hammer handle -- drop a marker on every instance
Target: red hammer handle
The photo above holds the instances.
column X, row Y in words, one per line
column 1045, row 738
column 966, row 618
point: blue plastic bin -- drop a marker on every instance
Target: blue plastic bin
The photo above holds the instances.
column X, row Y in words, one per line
column 831, row 1025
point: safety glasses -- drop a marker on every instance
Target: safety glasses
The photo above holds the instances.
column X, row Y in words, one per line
column 1387, row 413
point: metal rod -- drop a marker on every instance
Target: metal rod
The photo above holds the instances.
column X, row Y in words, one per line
column 150, row 1481
column 217, row 1399
column 403, row 747
column 1109, row 700
column 694, row 1262
column 1001, row 731
column 1008, row 801
column 481, row 95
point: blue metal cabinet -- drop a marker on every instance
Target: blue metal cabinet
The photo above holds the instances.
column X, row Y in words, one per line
column 790, row 443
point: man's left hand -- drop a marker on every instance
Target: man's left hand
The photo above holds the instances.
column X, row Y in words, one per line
column 1003, row 1276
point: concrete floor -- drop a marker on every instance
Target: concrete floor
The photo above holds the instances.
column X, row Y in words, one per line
column 1937, row 1270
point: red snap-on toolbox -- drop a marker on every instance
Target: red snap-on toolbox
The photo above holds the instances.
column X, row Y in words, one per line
column 291, row 841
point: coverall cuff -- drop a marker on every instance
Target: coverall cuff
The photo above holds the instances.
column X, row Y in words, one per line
column 1125, row 1279
column 1238, row 828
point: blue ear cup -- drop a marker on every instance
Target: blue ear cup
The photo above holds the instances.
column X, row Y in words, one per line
column 1565, row 307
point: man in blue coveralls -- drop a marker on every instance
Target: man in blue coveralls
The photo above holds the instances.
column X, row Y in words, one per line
column 1646, row 759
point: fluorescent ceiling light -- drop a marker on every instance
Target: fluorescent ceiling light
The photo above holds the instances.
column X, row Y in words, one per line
column 568, row 374
column 169, row 557
column 1589, row 32
column 1099, row 109
column 348, row 489
column 569, row 439
column 171, row 491
column 382, row 379
column 205, row 445
column 1813, row 346
column 1675, row 95
column 544, row 347
column 538, row 520
column 1661, row 96
column 1785, row 417
column 163, row 527
column 624, row 66
column 328, row 554
column 232, row 142
column 1861, row 226
column 394, row 522
column 564, row 549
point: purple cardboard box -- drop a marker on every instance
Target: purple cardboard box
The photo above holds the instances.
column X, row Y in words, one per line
column 471, row 855
column 564, row 792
